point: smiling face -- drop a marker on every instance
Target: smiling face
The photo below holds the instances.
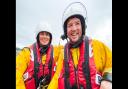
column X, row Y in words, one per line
column 74, row 29
column 44, row 38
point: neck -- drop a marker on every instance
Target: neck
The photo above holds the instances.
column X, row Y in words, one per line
column 43, row 48
column 77, row 44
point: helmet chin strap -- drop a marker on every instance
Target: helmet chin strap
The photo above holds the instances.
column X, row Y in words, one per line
column 76, row 44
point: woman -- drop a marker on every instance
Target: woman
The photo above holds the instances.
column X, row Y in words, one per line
column 35, row 64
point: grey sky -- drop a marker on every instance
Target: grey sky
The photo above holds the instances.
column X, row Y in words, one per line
column 31, row 12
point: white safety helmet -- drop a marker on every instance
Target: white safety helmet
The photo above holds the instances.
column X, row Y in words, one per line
column 43, row 27
column 75, row 9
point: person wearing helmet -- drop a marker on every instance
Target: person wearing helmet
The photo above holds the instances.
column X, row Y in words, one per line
column 35, row 64
column 87, row 63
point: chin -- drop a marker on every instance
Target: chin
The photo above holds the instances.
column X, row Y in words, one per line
column 74, row 40
column 44, row 43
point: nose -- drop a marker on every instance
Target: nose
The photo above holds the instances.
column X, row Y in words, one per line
column 44, row 36
column 74, row 27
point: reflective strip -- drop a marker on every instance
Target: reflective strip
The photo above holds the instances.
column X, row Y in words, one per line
column 25, row 76
column 32, row 55
column 98, row 79
column 90, row 48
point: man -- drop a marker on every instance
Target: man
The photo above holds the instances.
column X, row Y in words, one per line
column 35, row 64
column 87, row 63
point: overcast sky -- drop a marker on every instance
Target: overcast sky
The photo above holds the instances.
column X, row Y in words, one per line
column 31, row 12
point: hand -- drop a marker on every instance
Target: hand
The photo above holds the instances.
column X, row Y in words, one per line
column 106, row 85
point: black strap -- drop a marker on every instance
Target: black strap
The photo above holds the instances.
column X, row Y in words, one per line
column 85, row 65
column 66, row 66
column 50, row 64
column 36, row 65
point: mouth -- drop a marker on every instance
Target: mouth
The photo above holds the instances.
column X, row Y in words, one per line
column 44, row 40
column 74, row 34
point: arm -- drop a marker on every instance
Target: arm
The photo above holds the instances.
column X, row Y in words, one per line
column 54, row 82
column 57, row 51
column 106, row 82
column 22, row 59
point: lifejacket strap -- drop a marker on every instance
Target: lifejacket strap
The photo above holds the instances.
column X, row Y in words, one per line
column 35, row 65
column 66, row 67
column 50, row 64
column 86, row 68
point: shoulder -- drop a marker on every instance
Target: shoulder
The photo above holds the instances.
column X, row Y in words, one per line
column 25, row 51
column 99, row 45
column 98, row 42
column 58, row 47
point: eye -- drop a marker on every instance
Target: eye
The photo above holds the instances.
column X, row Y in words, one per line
column 77, row 23
column 47, row 34
column 69, row 25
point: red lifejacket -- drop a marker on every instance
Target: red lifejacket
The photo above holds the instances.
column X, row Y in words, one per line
column 36, row 71
column 85, row 76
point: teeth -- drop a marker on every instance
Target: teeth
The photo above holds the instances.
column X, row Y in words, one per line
column 74, row 34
